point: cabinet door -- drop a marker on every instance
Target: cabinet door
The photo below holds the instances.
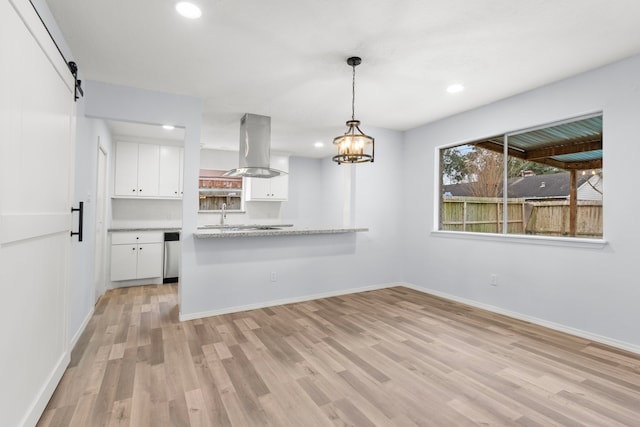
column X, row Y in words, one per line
column 270, row 189
column 148, row 169
column 126, row 173
column 280, row 188
column 181, row 172
column 123, row 262
column 169, row 176
column 150, row 257
column 258, row 189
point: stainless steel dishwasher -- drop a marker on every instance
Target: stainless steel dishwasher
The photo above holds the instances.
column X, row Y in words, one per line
column 171, row 271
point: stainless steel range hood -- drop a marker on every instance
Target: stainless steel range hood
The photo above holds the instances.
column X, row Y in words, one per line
column 255, row 148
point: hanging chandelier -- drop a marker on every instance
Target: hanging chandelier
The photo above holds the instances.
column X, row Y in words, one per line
column 354, row 146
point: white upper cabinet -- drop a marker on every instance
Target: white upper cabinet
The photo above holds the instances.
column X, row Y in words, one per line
column 270, row 189
column 126, row 172
column 181, row 173
column 147, row 171
column 170, row 184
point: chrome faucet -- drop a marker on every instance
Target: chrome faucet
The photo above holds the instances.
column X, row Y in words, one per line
column 223, row 215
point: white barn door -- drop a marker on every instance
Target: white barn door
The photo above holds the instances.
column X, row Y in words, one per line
column 36, row 167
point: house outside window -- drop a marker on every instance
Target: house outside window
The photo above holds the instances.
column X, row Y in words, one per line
column 546, row 181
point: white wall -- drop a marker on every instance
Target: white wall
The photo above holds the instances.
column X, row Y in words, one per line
column 337, row 198
column 89, row 134
column 593, row 291
column 305, row 207
column 227, row 274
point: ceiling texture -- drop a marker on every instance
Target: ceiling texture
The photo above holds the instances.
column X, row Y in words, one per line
column 287, row 58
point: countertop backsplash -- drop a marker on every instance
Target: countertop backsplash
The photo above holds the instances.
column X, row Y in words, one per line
column 254, row 213
column 140, row 213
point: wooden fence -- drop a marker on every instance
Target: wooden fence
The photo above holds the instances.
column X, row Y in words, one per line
column 545, row 218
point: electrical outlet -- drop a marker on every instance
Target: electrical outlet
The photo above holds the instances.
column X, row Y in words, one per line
column 493, row 279
column 274, row 276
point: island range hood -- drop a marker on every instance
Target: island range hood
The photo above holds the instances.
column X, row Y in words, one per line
column 255, row 148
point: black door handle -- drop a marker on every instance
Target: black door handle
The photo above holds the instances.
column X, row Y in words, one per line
column 80, row 210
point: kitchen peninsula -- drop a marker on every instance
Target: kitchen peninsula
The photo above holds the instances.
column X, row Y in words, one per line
column 205, row 233
column 236, row 269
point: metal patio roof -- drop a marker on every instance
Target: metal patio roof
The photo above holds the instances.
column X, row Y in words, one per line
column 568, row 145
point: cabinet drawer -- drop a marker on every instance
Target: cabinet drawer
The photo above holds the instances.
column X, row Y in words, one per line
column 133, row 237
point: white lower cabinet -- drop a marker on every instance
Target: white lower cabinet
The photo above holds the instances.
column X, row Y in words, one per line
column 136, row 255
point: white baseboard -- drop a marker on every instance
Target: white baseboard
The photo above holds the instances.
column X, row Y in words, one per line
column 634, row 348
column 137, row 282
column 42, row 399
column 80, row 330
column 272, row 303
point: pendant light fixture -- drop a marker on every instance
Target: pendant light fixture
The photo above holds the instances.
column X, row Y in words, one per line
column 354, row 146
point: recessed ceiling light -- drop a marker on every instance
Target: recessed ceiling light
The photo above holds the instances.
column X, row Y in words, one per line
column 188, row 10
column 318, row 144
column 455, row 88
column 168, row 127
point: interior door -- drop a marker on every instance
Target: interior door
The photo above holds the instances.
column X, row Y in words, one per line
column 36, row 150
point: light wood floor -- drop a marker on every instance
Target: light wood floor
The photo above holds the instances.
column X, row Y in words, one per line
column 392, row 357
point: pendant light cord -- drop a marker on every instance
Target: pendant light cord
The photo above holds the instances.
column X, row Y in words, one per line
column 353, row 94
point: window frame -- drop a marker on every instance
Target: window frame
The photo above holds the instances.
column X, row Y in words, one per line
column 213, row 175
column 504, row 236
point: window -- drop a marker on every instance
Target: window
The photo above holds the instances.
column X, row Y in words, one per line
column 551, row 176
column 216, row 191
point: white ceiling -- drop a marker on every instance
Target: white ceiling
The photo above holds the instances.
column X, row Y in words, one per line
column 139, row 132
column 286, row 58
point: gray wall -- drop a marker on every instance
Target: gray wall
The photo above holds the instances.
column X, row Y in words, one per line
column 590, row 291
column 305, row 206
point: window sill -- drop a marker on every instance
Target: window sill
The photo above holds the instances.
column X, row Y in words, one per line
column 525, row 239
column 219, row 211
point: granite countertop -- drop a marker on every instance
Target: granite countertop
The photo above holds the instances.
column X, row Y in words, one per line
column 223, row 233
column 236, row 227
column 116, row 229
